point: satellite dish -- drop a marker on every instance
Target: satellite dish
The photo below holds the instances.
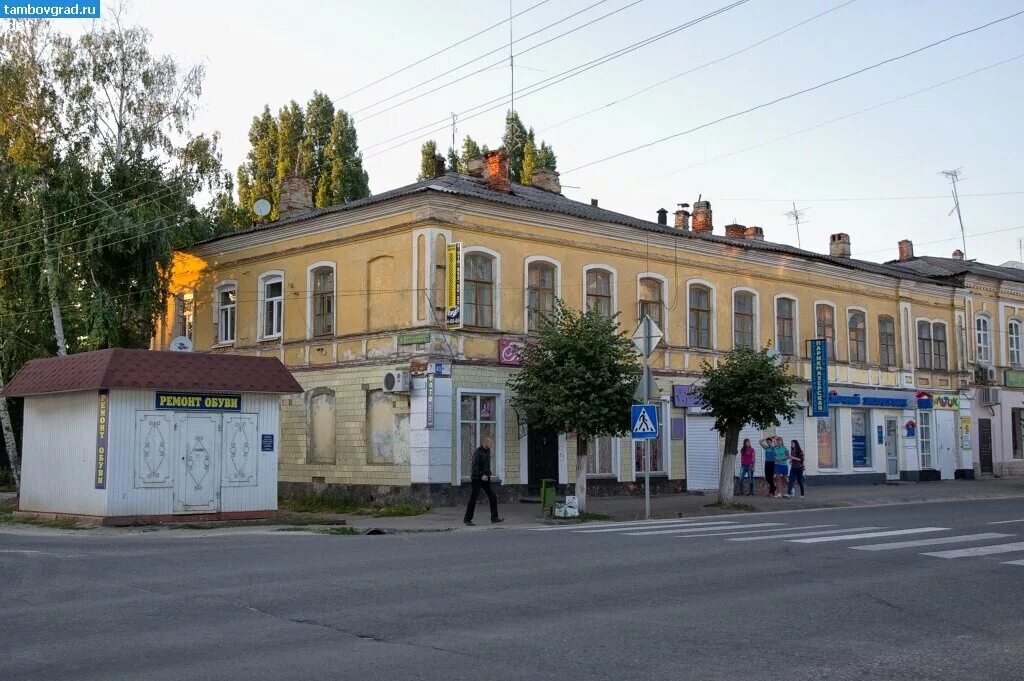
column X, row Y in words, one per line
column 181, row 344
column 261, row 208
column 775, row 355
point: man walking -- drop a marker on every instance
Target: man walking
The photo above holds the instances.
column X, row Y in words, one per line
column 480, row 478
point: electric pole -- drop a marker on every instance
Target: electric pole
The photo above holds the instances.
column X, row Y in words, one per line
column 954, row 177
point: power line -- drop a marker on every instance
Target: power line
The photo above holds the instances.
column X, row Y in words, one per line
column 941, row 241
column 795, row 94
column 441, row 51
column 875, row 198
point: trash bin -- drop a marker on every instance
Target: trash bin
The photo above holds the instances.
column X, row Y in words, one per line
column 547, row 495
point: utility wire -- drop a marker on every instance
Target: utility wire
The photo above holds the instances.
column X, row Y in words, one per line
column 795, row 94
column 941, row 241
column 875, row 198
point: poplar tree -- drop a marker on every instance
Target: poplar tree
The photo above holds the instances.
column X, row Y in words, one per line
column 427, row 153
column 256, row 177
column 347, row 179
column 470, row 150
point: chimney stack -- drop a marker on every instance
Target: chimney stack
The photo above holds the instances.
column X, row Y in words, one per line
column 839, row 245
column 662, row 217
column 546, row 179
column 593, row 202
column 958, row 254
column 296, row 197
column 735, row 231
column 683, row 217
column 702, row 217
column 906, row 250
column 753, row 234
column 438, row 167
column 475, row 167
column 496, row 171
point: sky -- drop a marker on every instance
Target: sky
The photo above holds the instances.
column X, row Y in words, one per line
column 851, row 175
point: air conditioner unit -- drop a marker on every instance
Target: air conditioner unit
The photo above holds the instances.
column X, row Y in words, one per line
column 989, row 396
column 984, row 375
column 396, row 382
column 990, row 375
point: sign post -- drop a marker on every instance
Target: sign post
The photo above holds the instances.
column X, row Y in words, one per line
column 819, row 376
column 644, row 417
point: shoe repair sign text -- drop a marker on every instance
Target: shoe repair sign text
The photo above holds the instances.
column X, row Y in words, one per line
column 198, row 402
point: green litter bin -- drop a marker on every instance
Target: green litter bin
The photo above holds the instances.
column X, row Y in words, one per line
column 547, row 495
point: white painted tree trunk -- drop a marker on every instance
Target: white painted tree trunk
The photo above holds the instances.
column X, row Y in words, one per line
column 581, row 472
column 9, row 441
column 51, row 285
column 727, row 475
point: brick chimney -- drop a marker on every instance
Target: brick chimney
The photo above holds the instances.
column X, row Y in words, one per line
column 958, row 254
column 439, row 168
column 753, row 234
column 296, row 197
column 735, row 231
column 662, row 216
column 475, row 167
column 593, row 202
column 839, row 245
column 496, row 173
column 683, row 217
column 546, row 179
column 702, row 217
column 906, row 250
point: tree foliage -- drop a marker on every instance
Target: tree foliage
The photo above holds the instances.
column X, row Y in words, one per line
column 428, row 152
column 746, row 387
column 579, row 377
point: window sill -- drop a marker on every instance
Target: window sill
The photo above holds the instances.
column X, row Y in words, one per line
column 654, row 474
column 601, row 476
column 269, row 339
column 221, row 346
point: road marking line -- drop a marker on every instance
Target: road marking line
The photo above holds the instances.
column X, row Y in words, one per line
column 1014, row 562
column 1005, row 522
column 978, row 551
column 869, row 535
column 659, row 527
column 776, row 529
column 18, row 551
column 630, row 523
column 806, row 534
column 964, row 538
column 695, row 529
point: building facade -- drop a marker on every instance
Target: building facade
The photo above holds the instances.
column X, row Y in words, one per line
column 345, row 295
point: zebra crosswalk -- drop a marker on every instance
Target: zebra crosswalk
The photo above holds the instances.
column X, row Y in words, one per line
column 861, row 538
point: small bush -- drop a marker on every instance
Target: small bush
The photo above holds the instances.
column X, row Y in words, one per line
column 735, row 506
column 343, row 530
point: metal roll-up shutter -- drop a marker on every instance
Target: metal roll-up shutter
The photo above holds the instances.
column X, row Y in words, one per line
column 703, row 450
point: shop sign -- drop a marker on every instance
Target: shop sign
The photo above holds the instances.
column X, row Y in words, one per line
column 946, row 401
column 965, row 432
column 102, row 422
column 198, row 402
column 857, row 400
column 1013, row 378
column 418, row 368
column 509, row 352
column 418, row 338
column 819, row 377
column 430, row 400
column 424, row 368
column 453, row 286
column 683, row 398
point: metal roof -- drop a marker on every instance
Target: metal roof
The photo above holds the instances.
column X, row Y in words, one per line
column 931, row 266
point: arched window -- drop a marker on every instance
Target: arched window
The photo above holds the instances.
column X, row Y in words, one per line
column 924, row 345
column 1013, row 336
column 227, row 301
column 858, row 332
column 825, row 326
column 743, row 319
column 323, row 301
column 939, row 347
column 983, row 337
column 540, row 293
column 785, row 326
column 272, row 308
column 651, row 302
column 478, row 307
column 700, row 316
column 599, row 291
column 886, row 341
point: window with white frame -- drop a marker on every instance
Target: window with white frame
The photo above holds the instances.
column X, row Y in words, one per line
column 858, row 334
column 825, row 326
column 924, row 345
column 478, row 291
column 650, row 301
column 599, row 291
column 272, row 286
column 983, row 337
column 743, row 319
column 478, row 418
column 184, row 315
column 1013, row 341
column 886, row 341
column 785, row 326
column 924, row 438
column 540, row 293
column 227, row 302
column 323, row 301
column 940, row 349
column 700, row 316
column 601, row 455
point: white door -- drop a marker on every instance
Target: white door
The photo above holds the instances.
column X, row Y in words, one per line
column 946, row 444
column 197, row 479
column 892, row 448
column 702, row 453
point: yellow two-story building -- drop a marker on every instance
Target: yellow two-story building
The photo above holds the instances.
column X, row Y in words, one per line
column 352, row 299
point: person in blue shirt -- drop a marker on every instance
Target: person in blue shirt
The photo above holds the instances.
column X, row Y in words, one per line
column 768, row 445
column 781, row 466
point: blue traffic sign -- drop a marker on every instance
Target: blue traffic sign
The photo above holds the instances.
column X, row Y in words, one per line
column 644, row 420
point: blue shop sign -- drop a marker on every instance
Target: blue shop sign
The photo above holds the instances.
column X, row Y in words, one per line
column 819, row 377
column 877, row 401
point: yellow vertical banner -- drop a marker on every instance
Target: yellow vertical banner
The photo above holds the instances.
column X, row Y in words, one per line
column 453, row 286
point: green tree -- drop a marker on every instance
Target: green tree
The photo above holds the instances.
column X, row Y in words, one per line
column 546, row 157
column 291, row 125
column 514, row 140
column 579, row 377
column 347, row 179
column 530, row 162
column 256, row 177
column 470, row 150
column 427, row 153
column 315, row 144
column 747, row 387
column 454, row 163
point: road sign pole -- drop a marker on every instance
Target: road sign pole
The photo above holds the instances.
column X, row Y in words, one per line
column 647, row 443
column 646, row 338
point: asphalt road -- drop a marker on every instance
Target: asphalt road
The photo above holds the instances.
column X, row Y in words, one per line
column 508, row 603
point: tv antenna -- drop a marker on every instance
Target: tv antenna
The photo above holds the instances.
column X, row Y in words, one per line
column 797, row 215
column 954, row 177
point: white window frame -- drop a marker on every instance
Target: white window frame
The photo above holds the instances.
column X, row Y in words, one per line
column 310, row 294
column 264, row 279
column 757, row 314
column 924, row 437
column 614, row 283
column 796, row 322
column 615, row 454
column 495, row 285
column 526, row 284
column 218, row 288
column 986, row 356
column 895, row 339
column 931, row 345
column 665, row 323
column 1010, row 344
column 714, row 313
column 498, row 452
column 867, row 335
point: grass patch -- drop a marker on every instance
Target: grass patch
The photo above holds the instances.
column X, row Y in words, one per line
column 735, row 506
column 8, row 507
column 588, row 517
column 343, row 530
column 401, row 510
column 321, row 503
column 8, row 487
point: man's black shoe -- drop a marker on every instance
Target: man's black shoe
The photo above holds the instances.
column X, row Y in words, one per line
column 497, row 520
column 468, row 522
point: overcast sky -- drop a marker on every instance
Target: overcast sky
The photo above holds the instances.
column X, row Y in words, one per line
column 271, row 52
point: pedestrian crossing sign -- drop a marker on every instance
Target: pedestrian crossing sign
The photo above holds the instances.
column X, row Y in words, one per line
column 644, row 420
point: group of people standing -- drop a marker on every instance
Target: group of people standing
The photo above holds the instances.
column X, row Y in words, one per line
column 782, row 466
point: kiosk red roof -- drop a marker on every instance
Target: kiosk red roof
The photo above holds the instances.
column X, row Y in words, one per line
column 151, row 370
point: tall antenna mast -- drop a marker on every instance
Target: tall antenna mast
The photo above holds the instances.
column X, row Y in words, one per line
column 954, row 177
column 455, row 118
column 796, row 215
column 511, row 60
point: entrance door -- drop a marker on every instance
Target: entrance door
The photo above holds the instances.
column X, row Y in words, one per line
column 985, row 444
column 542, row 457
column 197, row 479
column 892, row 448
column 946, row 442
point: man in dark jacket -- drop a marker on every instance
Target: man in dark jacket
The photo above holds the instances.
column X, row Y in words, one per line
column 480, row 478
